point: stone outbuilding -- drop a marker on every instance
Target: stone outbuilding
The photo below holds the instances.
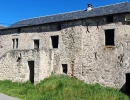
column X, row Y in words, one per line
column 92, row 45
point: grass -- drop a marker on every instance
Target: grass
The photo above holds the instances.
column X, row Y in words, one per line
column 60, row 88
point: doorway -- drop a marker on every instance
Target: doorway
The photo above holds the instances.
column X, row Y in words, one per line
column 31, row 69
column 64, row 68
column 127, row 88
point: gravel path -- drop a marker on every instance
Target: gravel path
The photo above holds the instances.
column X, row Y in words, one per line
column 5, row 97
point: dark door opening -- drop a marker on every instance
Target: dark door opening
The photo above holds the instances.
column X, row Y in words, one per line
column 127, row 88
column 31, row 68
column 64, row 67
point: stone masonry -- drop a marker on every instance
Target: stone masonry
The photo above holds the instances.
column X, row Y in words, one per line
column 81, row 46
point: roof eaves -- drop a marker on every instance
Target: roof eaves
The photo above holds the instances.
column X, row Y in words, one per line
column 95, row 12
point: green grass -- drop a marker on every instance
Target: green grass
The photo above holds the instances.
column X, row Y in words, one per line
column 60, row 88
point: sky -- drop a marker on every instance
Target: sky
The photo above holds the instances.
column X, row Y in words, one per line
column 12, row 11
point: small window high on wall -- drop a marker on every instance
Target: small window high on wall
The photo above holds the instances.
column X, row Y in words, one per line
column 19, row 30
column 109, row 18
column 36, row 44
column 59, row 27
column 15, row 43
column 55, row 41
column 109, row 37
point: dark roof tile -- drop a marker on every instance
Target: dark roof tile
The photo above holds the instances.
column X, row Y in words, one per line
column 2, row 27
column 100, row 11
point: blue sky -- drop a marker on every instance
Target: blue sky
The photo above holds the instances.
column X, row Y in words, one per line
column 12, row 11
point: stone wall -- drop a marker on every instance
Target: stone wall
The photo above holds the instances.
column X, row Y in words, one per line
column 14, row 65
column 106, row 66
column 81, row 46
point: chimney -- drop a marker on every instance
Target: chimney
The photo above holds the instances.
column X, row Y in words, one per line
column 89, row 7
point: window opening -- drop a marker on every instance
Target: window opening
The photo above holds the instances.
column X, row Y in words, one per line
column 19, row 30
column 13, row 43
column 36, row 44
column 55, row 41
column 16, row 43
column 109, row 37
column 59, row 27
column 110, row 19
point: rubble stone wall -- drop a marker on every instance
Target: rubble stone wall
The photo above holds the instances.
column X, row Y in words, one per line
column 81, row 46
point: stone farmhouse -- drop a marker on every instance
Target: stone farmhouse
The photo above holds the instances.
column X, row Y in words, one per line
column 92, row 45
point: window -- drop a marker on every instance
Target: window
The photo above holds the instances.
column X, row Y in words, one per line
column 109, row 37
column 19, row 30
column 55, row 41
column 15, row 43
column 109, row 18
column 127, row 17
column 64, row 68
column 36, row 44
column 59, row 27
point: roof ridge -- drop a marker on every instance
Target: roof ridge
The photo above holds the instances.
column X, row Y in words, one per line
column 111, row 5
column 2, row 26
column 51, row 15
column 73, row 15
column 69, row 12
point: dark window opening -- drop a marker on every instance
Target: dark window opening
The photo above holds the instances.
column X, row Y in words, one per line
column 19, row 30
column 36, row 44
column 13, row 43
column 59, row 27
column 55, row 41
column 31, row 68
column 109, row 37
column 16, row 43
column 40, row 29
column 64, row 67
column 110, row 19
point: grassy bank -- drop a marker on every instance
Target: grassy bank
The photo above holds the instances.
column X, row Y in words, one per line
column 60, row 88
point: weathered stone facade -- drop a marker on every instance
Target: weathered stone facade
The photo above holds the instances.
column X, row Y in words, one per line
column 81, row 45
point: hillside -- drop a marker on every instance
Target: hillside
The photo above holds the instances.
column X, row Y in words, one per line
column 60, row 88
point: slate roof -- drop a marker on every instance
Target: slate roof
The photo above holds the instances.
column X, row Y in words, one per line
column 100, row 11
column 2, row 27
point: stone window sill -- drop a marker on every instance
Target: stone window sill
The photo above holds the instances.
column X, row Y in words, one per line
column 109, row 47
